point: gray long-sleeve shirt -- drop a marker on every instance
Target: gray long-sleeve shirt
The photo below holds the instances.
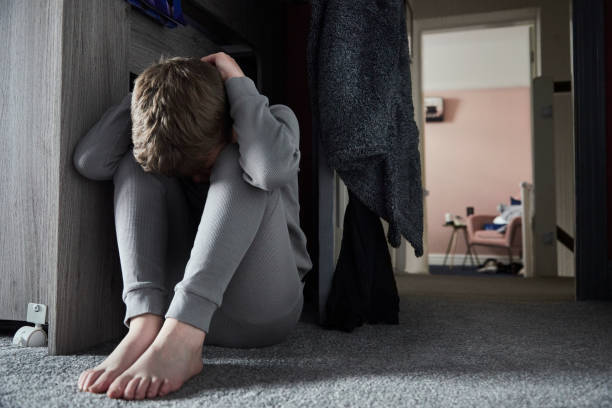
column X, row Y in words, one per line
column 268, row 141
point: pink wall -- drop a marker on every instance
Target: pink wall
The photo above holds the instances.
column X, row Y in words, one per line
column 477, row 157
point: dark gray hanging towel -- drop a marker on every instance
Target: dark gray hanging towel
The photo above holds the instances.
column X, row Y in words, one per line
column 361, row 99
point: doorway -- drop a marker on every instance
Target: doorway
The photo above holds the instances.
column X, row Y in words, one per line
column 527, row 20
column 477, row 133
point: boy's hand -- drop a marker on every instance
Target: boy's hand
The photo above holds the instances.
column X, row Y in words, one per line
column 227, row 66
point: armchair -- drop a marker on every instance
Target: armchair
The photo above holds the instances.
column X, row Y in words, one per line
column 511, row 239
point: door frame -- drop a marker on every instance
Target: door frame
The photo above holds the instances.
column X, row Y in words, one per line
column 407, row 262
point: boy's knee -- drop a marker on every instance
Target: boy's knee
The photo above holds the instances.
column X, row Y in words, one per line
column 89, row 165
column 129, row 169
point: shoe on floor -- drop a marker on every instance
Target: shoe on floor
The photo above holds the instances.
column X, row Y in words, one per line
column 490, row 265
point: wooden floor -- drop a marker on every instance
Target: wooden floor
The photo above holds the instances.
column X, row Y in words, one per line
column 498, row 288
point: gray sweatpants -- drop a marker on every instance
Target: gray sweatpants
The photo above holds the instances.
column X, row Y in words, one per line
column 167, row 242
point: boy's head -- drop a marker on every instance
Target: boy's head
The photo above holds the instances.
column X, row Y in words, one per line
column 180, row 117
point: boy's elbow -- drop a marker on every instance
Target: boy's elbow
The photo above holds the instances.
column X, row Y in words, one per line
column 275, row 163
column 267, row 183
column 274, row 174
column 283, row 166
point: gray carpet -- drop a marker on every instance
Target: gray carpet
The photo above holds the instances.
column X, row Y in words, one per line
column 445, row 352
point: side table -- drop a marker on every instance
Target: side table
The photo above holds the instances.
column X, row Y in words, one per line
column 453, row 243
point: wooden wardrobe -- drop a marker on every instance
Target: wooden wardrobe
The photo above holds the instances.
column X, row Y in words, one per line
column 64, row 62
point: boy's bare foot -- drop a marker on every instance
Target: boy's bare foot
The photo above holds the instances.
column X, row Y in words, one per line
column 142, row 332
column 174, row 357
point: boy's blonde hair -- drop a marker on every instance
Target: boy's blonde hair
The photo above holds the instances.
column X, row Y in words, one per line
column 180, row 114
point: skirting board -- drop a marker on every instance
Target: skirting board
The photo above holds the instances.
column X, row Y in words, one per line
column 438, row 259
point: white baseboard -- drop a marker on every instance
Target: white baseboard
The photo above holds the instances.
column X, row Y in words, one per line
column 458, row 259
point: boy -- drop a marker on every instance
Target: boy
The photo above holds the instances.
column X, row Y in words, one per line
column 203, row 205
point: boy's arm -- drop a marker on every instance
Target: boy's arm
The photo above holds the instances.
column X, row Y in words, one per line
column 268, row 136
column 98, row 153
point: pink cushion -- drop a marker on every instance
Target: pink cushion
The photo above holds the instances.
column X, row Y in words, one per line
column 488, row 237
column 488, row 234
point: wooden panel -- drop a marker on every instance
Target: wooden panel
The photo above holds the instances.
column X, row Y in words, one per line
column 564, row 170
column 149, row 40
column 608, row 74
column 527, row 197
column 545, row 223
column 298, row 99
column 324, row 257
column 593, row 280
column 88, row 307
column 29, row 155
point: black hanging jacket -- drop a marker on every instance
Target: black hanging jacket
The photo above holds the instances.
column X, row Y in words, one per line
column 363, row 287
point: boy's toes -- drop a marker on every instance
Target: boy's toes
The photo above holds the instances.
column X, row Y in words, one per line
column 130, row 389
column 91, row 378
column 141, row 391
column 82, row 378
column 115, row 390
column 154, row 387
column 165, row 388
column 102, row 383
